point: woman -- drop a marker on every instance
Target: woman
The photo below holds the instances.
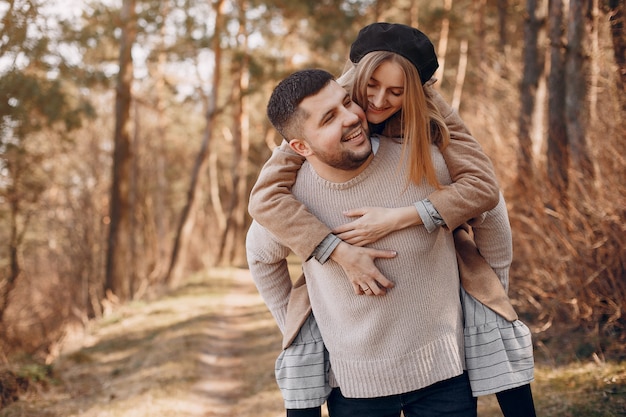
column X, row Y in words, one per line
column 389, row 65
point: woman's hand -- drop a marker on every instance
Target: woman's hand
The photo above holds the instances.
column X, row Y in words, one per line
column 373, row 223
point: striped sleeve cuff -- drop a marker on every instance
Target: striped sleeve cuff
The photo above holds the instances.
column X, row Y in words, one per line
column 325, row 248
column 429, row 215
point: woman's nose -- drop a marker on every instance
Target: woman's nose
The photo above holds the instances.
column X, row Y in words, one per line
column 378, row 98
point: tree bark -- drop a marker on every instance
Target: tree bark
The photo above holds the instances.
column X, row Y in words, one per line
column 442, row 47
column 503, row 6
column 7, row 284
column 557, row 154
column 533, row 65
column 460, row 76
column 478, row 51
column 117, row 281
column 576, row 71
column 617, row 18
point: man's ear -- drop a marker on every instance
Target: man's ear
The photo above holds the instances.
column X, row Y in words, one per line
column 301, row 147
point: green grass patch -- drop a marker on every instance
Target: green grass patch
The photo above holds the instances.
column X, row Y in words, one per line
column 581, row 389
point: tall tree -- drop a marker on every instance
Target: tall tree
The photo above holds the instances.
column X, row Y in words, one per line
column 234, row 231
column 576, row 74
column 186, row 222
column 557, row 154
column 617, row 18
column 503, row 6
column 442, row 47
column 533, row 65
column 118, row 281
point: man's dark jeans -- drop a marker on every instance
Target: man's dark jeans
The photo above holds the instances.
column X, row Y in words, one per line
column 450, row 398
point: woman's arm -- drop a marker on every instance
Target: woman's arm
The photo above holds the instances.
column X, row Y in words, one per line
column 273, row 206
column 485, row 258
column 474, row 189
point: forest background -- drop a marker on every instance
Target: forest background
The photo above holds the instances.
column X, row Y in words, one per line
column 132, row 131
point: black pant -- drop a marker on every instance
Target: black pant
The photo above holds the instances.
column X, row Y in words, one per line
column 305, row 412
column 517, row 402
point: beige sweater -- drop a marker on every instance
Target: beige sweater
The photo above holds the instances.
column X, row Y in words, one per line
column 474, row 191
column 406, row 340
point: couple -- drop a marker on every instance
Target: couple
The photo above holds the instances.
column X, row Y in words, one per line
column 400, row 348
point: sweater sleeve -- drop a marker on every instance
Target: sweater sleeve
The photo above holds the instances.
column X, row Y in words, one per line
column 273, row 206
column 474, row 189
column 494, row 240
column 270, row 273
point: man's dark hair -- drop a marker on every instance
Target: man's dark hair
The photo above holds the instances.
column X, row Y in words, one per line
column 282, row 107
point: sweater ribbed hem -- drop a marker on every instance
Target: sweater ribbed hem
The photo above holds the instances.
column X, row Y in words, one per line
column 437, row 361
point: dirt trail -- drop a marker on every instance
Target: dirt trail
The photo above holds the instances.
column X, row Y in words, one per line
column 206, row 350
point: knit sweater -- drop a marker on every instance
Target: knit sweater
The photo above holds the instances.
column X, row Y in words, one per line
column 406, row 340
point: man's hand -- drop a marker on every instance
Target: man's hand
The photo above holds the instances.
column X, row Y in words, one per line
column 358, row 264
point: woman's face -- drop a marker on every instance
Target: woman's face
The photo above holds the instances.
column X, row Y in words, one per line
column 385, row 92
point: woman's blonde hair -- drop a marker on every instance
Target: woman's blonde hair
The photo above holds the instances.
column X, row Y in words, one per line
column 419, row 122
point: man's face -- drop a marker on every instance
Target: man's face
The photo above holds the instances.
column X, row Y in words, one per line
column 336, row 130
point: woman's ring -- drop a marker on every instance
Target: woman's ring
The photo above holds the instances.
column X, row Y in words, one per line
column 366, row 289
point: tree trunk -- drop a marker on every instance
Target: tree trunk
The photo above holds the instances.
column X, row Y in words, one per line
column 117, row 282
column 185, row 225
column 595, row 62
column 7, row 284
column 414, row 17
column 160, row 262
column 557, row 154
column 503, row 6
column 460, row 76
column 533, row 65
column 617, row 18
column 442, row 47
column 576, row 70
column 233, row 235
column 478, row 51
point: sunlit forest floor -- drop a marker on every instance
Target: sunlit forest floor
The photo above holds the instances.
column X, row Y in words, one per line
column 208, row 349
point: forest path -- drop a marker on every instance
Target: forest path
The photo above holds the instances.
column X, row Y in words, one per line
column 207, row 349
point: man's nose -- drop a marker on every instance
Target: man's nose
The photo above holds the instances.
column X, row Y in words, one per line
column 350, row 117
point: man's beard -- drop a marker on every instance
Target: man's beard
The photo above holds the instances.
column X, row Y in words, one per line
column 346, row 160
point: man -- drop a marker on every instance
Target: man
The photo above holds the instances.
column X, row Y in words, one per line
column 401, row 352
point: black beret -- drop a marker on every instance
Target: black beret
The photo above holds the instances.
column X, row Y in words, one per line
column 401, row 39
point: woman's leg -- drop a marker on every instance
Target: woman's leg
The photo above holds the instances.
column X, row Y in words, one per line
column 305, row 412
column 517, row 402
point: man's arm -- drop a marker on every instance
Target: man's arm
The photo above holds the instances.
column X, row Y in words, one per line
column 494, row 240
column 268, row 267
